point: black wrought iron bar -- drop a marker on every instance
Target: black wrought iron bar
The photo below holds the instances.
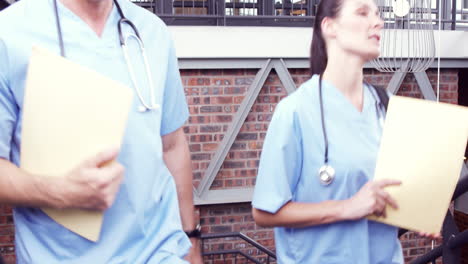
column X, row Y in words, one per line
column 211, row 254
column 311, row 18
column 462, row 187
column 430, row 256
column 454, row 14
column 259, row 18
column 243, row 237
column 199, row 4
column 264, row 13
column 458, row 240
column 411, row 10
column 239, row 5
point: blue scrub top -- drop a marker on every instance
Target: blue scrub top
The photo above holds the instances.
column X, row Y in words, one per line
column 143, row 225
column 292, row 154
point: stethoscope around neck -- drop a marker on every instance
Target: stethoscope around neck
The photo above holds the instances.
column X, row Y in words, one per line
column 326, row 172
column 144, row 106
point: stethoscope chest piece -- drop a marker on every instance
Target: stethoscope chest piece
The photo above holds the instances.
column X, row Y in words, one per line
column 143, row 108
column 326, row 174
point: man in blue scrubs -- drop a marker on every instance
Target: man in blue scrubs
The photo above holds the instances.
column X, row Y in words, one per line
column 141, row 221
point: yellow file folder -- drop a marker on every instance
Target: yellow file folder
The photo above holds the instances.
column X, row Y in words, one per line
column 70, row 114
column 423, row 144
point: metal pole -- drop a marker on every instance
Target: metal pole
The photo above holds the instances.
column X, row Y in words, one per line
column 454, row 14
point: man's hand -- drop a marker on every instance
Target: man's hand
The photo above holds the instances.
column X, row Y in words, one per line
column 92, row 185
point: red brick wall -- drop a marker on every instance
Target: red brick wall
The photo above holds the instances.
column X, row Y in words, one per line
column 233, row 218
column 214, row 96
column 7, row 235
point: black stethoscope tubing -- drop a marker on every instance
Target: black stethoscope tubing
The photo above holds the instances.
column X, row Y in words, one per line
column 122, row 20
column 324, row 131
column 144, row 107
column 326, row 173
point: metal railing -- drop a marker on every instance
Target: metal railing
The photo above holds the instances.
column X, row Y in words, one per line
column 296, row 13
column 224, row 254
column 233, row 12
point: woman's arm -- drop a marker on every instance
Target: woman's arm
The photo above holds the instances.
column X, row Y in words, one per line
column 371, row 199
column 295, row 214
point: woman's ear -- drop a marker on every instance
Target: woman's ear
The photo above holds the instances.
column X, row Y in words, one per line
column 328, row 28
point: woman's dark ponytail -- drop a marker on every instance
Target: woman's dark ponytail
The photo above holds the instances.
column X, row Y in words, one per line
column 318, row 49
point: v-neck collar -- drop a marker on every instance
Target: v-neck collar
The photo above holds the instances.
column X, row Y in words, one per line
column 336, row 96
column 111, row 21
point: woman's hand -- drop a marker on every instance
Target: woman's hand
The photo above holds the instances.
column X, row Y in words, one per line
column 371, row 199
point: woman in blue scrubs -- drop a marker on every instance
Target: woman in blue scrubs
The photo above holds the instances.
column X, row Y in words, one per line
column 322, row 220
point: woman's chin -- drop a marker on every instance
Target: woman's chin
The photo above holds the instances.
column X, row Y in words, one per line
column 372, row 55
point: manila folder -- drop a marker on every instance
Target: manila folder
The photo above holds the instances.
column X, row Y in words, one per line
column 423, row 144
column 70, row 114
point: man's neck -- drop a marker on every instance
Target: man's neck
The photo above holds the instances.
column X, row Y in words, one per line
column 92, row 12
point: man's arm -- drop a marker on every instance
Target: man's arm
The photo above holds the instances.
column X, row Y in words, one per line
column 89, row 186
column 23, row 189
column 177, row 158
